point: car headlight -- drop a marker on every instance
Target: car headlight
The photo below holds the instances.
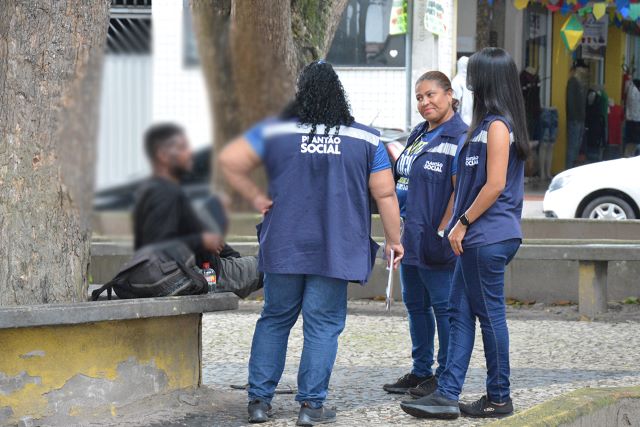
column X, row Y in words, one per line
column 559, row 182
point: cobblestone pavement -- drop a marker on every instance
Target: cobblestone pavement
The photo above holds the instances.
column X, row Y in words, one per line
column 548, row 357
column 551, row 354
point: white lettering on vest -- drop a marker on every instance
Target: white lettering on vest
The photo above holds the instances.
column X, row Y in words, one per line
column 471, row 161
column 433, row 166
column 320, row 144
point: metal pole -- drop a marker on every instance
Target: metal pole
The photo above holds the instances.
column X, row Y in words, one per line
column 408, row 63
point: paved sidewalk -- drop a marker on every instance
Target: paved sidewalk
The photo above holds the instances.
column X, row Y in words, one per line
column 548, row 358
column 550, row 355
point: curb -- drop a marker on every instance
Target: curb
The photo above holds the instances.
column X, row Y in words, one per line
column 571, row 408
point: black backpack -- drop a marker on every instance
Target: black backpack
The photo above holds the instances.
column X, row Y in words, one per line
column 159, row 270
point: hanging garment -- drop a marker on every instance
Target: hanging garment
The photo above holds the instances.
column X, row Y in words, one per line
column 594, row 138
column 530, row 84
column 461, row 92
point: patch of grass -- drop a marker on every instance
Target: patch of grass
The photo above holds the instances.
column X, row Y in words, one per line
column 631, row 300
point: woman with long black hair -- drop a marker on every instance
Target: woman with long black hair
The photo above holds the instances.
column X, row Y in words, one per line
column 314, row 239
column 485, row 233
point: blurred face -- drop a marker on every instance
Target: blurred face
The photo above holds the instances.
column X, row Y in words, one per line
column 434, row 103
column 176, row 155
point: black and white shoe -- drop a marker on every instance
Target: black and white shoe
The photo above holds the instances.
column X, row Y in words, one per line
column 259, row 411
column 425, row 388
column 404, row 383
column 483, row 408
column 309, row 416
column 432, row 406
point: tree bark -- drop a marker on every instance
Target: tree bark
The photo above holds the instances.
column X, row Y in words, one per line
column 251, row 52
column 50, row 68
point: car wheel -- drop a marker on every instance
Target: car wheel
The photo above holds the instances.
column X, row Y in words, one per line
column 608, row 208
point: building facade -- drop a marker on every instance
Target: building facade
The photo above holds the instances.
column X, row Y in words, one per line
column 376, row 65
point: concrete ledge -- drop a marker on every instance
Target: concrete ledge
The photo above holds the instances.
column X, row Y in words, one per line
column 581, row 251
column 61, row 362
column 543, row 271
column 118, row 223
column 55, row 374
column 531, row 249
column 602, row 407
column 100, row 311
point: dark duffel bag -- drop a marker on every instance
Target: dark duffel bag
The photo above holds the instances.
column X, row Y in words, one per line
column 160, row 270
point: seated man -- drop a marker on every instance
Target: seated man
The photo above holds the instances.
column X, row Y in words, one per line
column 163, row 212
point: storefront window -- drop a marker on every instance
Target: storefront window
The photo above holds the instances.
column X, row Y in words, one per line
column 593, row 48
column 189, row 47
column 632, row 59
column 537, row 48
column 363, row 39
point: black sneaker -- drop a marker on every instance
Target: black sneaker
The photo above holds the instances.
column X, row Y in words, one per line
column 483, row 408
column 425, row 388
column 309, row 416
column 403, row 384
column 432, row 406
column 259, row 411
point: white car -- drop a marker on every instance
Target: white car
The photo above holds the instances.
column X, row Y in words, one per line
column 606, row 190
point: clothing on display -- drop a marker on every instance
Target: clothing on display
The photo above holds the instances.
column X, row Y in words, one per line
column 576, row 102
column 548, row 135
column 632, row 118
column 595, row 125
column 461, row 92
column 632, row 102
column 530, row 84
column 615, row 122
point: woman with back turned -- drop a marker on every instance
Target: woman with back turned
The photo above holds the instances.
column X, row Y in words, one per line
column 485, row 233
column 322, row 167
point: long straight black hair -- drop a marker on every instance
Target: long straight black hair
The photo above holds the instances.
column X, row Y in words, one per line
column 493, row 77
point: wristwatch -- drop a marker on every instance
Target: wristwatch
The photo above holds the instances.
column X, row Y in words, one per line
column 464, row 220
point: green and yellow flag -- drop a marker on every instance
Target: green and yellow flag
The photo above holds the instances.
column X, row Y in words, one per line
column 571, row 32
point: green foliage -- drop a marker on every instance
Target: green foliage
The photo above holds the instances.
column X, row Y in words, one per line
column 309, row 22
column 631, row 300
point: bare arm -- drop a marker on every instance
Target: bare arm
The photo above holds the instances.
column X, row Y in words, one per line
column 497, row 163
column 383, row 190
column 237, row 160
column 446, row 218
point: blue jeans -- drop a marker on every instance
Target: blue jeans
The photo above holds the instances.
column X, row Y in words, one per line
column 425, row 292
column 323, row 302
column 478, row 292
column 575, row 134
column 548, row 125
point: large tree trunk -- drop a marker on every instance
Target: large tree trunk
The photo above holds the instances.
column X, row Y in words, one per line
column 251, row 52
column 50, row 67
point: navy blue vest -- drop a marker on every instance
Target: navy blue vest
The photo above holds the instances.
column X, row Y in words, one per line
column 502, row 220
column 430, row 188
column 320, row 222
